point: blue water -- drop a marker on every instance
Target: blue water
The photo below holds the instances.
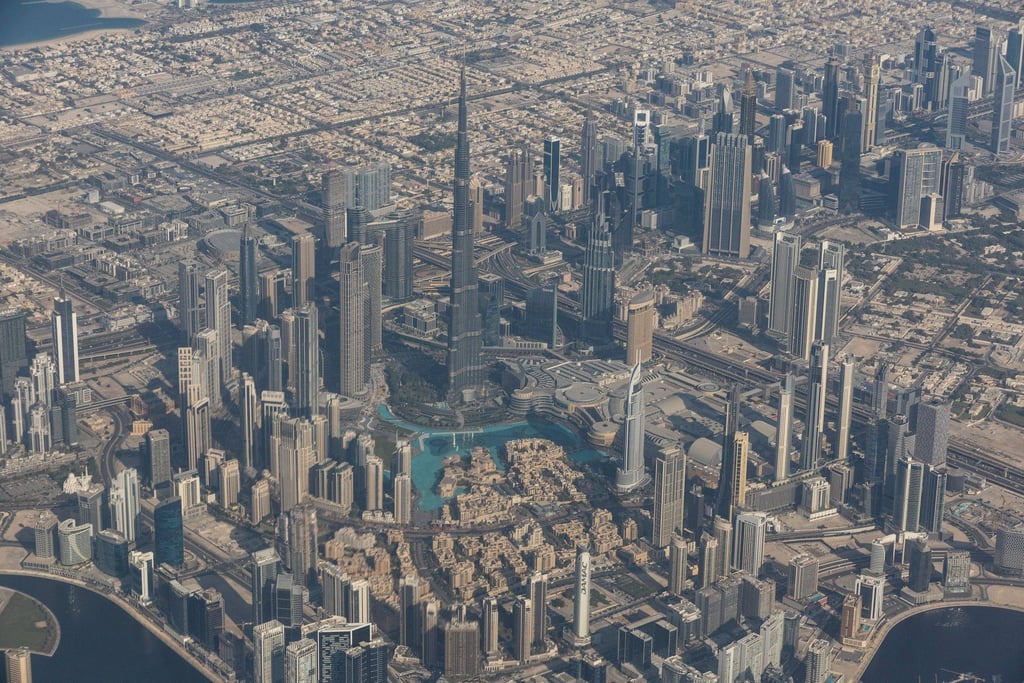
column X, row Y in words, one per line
column 99, row 643
column 981, row 640
column 29, row 21
column 432, row 446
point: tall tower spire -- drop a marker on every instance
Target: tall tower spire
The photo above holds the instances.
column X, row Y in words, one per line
column 465, row 368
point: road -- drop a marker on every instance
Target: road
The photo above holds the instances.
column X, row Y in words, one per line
column 108, row 454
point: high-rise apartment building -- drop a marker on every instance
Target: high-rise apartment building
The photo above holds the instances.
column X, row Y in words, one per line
column 303, row 269
column 268, row 644
column 352, row 302
column 332, row 196
column 218, row 319
column 814, row 418
column 785, row 260
column 748, row 549
column 190, row 311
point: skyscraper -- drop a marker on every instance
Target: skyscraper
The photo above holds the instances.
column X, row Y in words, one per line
column 264, row 567
column 917, row 174
column 785, row 259
column 303, row 268
column 959, row 107
column 870, row 113
column 333, row 642
column 351, row 302
column 64, row 328
column 814, row 418
column 158, row 442
column 933, row 498
column 538, row 586
column 461, row 649
column 332, row 196
column 727, row 202
column 588, row 156
column 631, row 473
column 124, row 503
column 409, row 611
column 853, row 141
column 908, row 491
column 248, row 282
column 803, row 576
column 785, row 88
column 598, row 297
column 402, row 497
column 678, row 565
column 748, row 106
column 218, row 318
column 932, row 440
column 465, row 364
column 302, row 544
column 371, row 183
column 732, row 475
column 373, row 270
column 831, row 257
column 517, row 181
column 268, row 644
column 830, row 97
column 300, row 662
column 552, row 176
column 13, row 356
column 18, row 662
column 986, row 56
column 708, row 560
column 640, row 323
column 489, row 633
column 748, row 552
column 307, row 362
column 925, row 58
column 168, row 538
column 843, row 417
column 818, row 661
column 1002, row 107
column 190, row 312
column 581, row 604
column 805, row 312
column 669, row 492
column 784, row 428
column 398, row 252
column 522, row 628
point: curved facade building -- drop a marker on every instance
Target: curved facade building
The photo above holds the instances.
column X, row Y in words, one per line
column 631, row 474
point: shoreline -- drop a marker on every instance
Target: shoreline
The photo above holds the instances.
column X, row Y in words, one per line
column 130, row 611
column 879, row 638
column 107, row 9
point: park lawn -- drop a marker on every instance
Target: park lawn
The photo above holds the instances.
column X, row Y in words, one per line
column 24, row 623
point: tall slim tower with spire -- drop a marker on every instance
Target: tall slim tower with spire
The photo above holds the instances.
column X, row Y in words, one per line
column 598, row 296
column 588, row 156
column 748, row 106
column 725, row 503
column 465, row 368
